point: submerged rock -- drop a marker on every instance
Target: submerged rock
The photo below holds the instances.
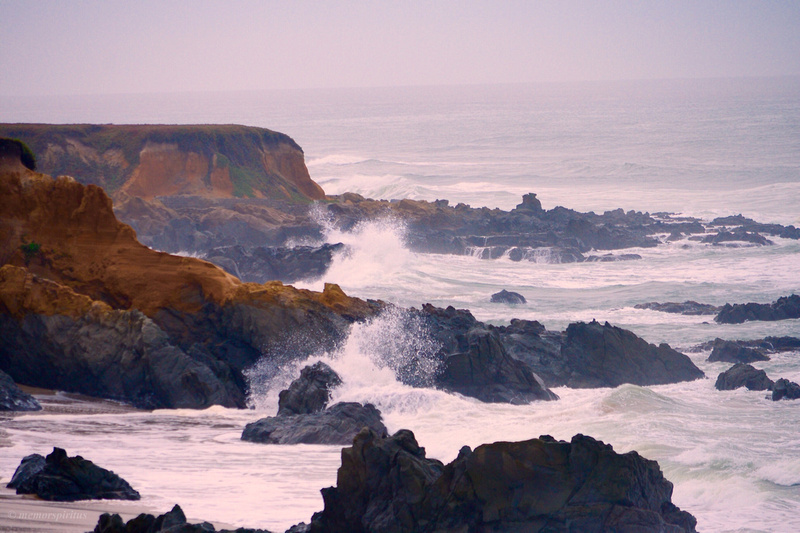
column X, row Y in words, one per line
column 688, row 307
column 386, row 484
column 735, row 352
column 743, row 375
column 172, row 522
column 508, row 297
column 14, row 399
column 335, row 425
column 61, row 478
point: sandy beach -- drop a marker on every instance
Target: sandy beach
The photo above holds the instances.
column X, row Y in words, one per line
column 28, row 514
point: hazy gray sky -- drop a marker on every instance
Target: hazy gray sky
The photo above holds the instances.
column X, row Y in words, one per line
column 90, row 47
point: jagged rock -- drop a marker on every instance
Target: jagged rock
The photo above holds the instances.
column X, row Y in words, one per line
column 310, row 392
column 337, row 424
column 743, row 375
column 783, row 389
column 13, row 399
column 388, row 485
column 783, row 308
column 602, row 355
column 63, row 478
column 508, row 297
column 688, row 307
column 734, row 352
column 172, row 522
column 485, row 371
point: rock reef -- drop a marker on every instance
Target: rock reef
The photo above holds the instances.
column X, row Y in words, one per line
column 785, row 307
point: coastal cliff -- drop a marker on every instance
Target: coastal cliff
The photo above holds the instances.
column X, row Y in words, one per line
column 85, row 307
column 147, row 161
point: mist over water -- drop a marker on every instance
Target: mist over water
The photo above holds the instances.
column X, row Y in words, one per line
column 705, row 149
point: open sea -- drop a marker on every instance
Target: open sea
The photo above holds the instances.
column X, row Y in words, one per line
column 703, row 148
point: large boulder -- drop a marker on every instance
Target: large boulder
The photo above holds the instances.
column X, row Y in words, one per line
column 485, row 371
column 602, row 355
column 337, row 424
column 743, row 375
column 14, row 399
column 735, row 352
column 62, row 478
column 387, row 485
column 310, row 392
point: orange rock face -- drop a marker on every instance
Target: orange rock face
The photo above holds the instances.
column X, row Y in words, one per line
column 81, row 245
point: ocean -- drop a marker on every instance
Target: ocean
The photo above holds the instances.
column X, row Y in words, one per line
column 702, row 148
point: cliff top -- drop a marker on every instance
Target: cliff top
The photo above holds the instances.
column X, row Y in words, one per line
column 164, row 160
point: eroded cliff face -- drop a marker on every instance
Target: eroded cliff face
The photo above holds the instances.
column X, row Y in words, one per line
column 147, row 161
column 80, row 296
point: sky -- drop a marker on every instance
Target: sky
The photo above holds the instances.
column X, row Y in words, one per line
column 144, row 46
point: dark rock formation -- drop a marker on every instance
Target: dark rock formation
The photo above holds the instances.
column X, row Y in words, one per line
column 765, row 346
column 783, row 308
column 586, row 355
column 737, row 236
column 734, row 352
column 388, row 485
column 783, row 389
column 335, row 425
column 688, row 307
column 12, row 398
column 304, row 419
column 261, row 264
column 485, row 371
column 310, row 392
column 748, row 224
column 508, row 297
column 172, row 522
column 598, row 355
column 61, row 478
column 743, row 375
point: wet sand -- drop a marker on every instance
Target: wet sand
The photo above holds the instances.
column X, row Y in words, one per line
column 28, row 514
